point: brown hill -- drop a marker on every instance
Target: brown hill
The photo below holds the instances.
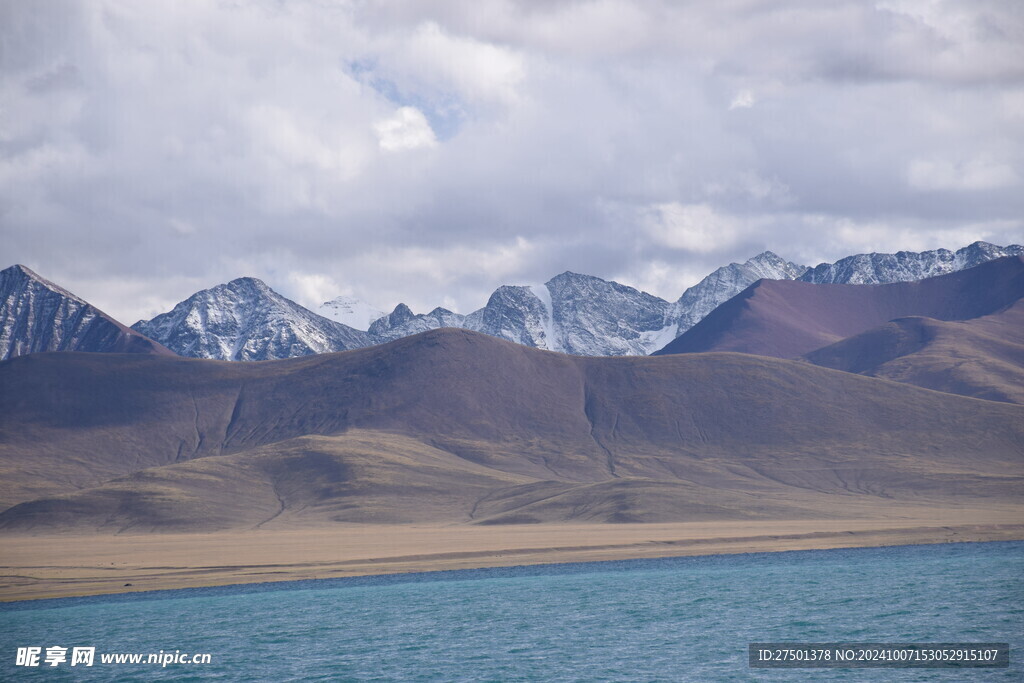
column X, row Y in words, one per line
column 983, row 358
column 456, row 426
column 787, row 319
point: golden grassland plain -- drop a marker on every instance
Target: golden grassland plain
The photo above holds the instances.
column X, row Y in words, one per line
column 53, row 565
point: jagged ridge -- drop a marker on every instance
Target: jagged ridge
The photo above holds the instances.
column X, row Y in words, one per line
column 571, row 313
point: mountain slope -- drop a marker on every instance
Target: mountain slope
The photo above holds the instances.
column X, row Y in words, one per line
column 788, row 319
column 457, row 426
column 246, row 320
column 983, row 358
column 37, row 315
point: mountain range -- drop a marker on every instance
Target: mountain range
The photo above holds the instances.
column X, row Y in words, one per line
column 585, row 315
column 843, row 399
column 572, row 313
column 454, row 426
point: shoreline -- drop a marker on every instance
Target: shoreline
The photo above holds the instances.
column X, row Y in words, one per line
column 63, row 566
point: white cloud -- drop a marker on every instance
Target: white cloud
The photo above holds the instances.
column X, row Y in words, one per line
column 662, row 278
column 417, row 151
column 863, row 236
column 446, row 264
column 283, row 134
column 478, row 71
column 180, row 227
column 744, row 99
column 975, row 174
column 406, row 129
column 311, row 290
column 598, row 27
column 423, row 277
column 691, row 227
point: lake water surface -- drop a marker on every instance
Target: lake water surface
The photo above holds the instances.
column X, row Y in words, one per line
column 678, row 619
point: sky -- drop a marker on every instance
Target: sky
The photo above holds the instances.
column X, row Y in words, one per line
column 429, row 152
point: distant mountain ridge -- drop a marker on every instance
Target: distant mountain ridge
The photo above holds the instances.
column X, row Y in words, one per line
column 571, row 313
column 585, row 315
column 37, row 315
column 905, row 266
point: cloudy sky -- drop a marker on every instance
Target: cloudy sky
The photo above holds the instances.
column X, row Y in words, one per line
column 428, row 152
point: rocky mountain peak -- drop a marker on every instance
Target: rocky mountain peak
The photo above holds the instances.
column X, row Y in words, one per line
column 402, row 322
column 244, row 319
column 38, row 315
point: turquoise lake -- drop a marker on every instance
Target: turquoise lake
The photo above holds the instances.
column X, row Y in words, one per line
column 678, row 619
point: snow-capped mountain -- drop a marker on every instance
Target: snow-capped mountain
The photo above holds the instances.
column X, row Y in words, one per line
column 572, row 313
column 518, row 314
column 402, row 322
column 349, row 311
column 595, row 317
column 585, row 315
column 905, row 266
column 37, row 315
column 247, row 320
column 725, row 283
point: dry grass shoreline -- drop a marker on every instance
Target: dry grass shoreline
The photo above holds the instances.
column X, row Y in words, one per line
column 53, row 566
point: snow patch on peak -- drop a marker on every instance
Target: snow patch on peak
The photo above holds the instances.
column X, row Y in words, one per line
column 543, row 294
column 657, row 339
column 350, row 311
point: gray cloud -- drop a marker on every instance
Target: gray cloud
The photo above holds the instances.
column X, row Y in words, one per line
column 429, row 152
